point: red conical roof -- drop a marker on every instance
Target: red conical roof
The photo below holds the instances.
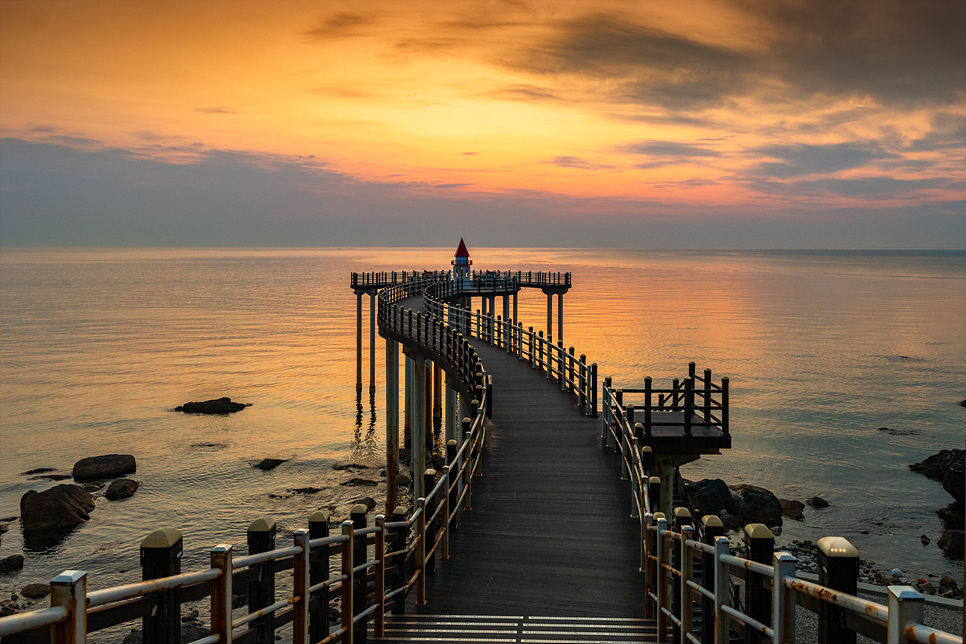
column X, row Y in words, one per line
column 461, row 251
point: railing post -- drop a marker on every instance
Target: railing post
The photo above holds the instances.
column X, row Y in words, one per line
column 654, row 493
column 713, row 528
column 682, row 518
column 760, row 546
column 661, row 581
column 570, row 369
column 686, row 558
column 561, row 367
column 319, row 572
column 447, row 508
column 582, row 384
column 398, row 545
column 421, row 551
column 221, row 593
column 625, row 441
column 261, row 591
column 530, row 346
column 707, row 395
column 455, row 482
column 468, row 455
column 161, row 557
column 648, row 405
column 905, row 607
column 838, row 569
column 724, row 407
column 69, row 589
column 379, row 587
column 300, row 582
column 635, row 481
column 429, row 480
column 348, row 583
column 783, row 610
column 540, row 349
column 722, row 587
column 647, row 549
column 688, row 404
column 360, row 601
column 593, row 389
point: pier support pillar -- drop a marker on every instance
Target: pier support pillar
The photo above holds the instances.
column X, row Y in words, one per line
column 358, row 341
column 450, row 412
column 392, row 422
column 516, row 317
column 409, row 409
column 372, row 342
column 437, row 398
column 418, row 450
column 550, row 317
column 663, row 467
column 560, row 317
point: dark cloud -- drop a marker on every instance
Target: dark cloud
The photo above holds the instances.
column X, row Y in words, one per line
column 948, row 132
column 577, row 162
column 889, row 50
column 668, row 149
column 869, row 188
column 342, row 24
column 798, row 160
column 525, row 93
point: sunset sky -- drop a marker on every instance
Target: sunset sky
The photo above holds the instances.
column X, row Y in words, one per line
column 690, row 124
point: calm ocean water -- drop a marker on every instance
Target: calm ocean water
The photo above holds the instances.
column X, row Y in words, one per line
column 98, row 346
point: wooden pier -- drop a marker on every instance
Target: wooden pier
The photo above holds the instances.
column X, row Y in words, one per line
column 552, row 513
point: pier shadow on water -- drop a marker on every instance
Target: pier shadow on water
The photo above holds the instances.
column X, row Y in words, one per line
column 364, row 443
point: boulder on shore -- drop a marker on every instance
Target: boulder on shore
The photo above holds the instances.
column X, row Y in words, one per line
column 954, row 481
column 59, row 507
column 952, row 542
column 107, row 466
column 121, row 489
column 757, row 505
column 792, row 509
column 936, row 465
column 217, row 406
column 12, row 563
column 818, row 502
column 709, row 496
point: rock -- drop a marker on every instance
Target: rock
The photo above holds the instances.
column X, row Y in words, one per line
column 61, row 506
column 348, row 466
column 953, row 516
column 217, row 406
column 188, row 634
column 269, row 463
column 50, row 477
column 121, row 489
column 8, row 607
column 239, row 601
column 108, row 466
column 757, row 505
column 730, row 520
column 93, row 486
column 818, row 502
column 792, row 509
column 367, row 501
column 297, row 490
column 947, row 582
column 35, row 591
column 405, row 456
column 8, row 519
column 709, row 496
column 39, row 470
column 924, row 539
column 936, row 465
column 403, row 480
column 12, row 563
column 952, row 542
column 954, row 480
column 359, row 482
column 191, row 616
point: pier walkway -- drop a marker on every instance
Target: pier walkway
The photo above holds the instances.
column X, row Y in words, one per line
column 550, row 532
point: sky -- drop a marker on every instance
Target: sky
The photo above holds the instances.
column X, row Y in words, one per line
column 649, row 124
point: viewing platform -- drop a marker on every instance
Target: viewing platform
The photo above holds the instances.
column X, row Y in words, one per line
column 545, row 506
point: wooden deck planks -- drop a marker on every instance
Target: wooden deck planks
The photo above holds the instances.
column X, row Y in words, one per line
column 549, row 532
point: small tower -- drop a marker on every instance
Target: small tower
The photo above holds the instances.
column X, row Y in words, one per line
column 462, row 262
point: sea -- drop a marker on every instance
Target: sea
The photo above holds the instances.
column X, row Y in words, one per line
column 845, row 367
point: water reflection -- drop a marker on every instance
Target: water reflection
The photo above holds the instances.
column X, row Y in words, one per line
column 364, row 444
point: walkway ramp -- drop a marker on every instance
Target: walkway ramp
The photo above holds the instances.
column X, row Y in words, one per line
column 457, row 629
column 550, row 532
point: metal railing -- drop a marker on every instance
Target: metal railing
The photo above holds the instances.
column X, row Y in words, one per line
column 688, row 575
